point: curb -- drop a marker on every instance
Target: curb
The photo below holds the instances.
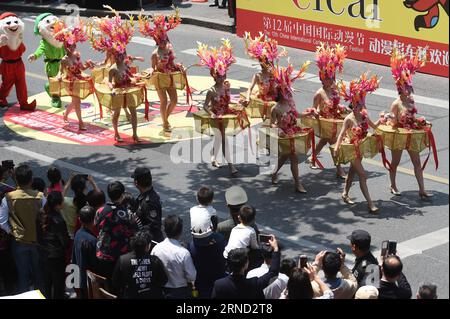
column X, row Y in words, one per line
column 204, row 22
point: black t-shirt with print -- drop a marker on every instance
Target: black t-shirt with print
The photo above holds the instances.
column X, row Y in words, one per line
column 139, row 277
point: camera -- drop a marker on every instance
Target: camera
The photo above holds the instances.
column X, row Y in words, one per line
column 264, row 238
column 7, row 165
column 388, row 248
column 303, row 261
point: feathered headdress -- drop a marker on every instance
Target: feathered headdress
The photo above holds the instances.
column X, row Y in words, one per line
column 158, row 25
column 403, row 67
column 358, row 89
column 284, row 77
column 69, row 35
column 263, row 49
column 112, row 34
column 217, row 60
column 329, row 60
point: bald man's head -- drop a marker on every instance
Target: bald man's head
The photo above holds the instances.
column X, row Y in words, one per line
column 392, row 267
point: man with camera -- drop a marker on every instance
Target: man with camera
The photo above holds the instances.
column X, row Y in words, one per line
column 332, row 263
column 365, row 263
column 236, row 285
column 393, row 284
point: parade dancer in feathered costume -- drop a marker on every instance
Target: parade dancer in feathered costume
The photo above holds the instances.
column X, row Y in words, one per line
column 163, row 58
column 284, row 117
column 355, row 128
column 112, row 35
column 403, row 114
column 12, row 67
column 329, row 60
column 52, row 50
column 217, row 102
column 80, row 85
column 265, row 50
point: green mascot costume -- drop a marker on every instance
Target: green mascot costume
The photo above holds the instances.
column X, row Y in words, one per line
column 52, row 49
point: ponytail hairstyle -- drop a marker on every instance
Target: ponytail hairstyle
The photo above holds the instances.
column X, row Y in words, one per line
column 78, row 185
column 54, row 176
column 54, row 199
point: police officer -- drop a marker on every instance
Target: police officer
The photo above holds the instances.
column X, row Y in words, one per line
column 148, row 208
column 360, row 244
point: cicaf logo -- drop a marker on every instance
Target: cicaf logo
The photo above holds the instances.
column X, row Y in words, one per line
column 355, row 9
column 431, row 8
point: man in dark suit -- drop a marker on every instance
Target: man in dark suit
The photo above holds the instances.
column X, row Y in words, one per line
column 393, row 284
column 236, row 286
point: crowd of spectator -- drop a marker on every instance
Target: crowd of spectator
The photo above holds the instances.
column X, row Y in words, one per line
column 47, row 225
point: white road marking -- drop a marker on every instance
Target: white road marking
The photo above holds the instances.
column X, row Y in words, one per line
column 143, row 41
column 315, row 79
column 418, row 245
column 414, row 246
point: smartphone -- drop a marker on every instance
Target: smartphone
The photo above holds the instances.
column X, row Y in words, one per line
column 85, row 176
column 392, row 248
column 303, row 261
column 384, row 247
column 264, row 238
column 9, row 164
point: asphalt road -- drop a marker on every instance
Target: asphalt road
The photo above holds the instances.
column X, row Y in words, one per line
column 305, row 223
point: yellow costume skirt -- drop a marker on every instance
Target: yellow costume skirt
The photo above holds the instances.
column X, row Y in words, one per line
column 258, row 108
column 232, row 124
column 398, row 139
column 130, row 97
column 99, row 74
column 78, row 88
column 323, row 128
column 368, row 147
column 158, row 80
column 299, row 144
column 402, row 139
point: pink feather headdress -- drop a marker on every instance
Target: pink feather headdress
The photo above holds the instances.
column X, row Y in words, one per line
column 217, row 60
column 113, row 34
column 285, row 79
column 263, row 49
column 403, row 68
column 158, row 26
column 329, row 60
column 358, row 89
column 69, row 35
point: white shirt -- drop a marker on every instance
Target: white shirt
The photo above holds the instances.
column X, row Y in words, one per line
column 177, row 261
column 258, row 272
column 201, row 225
column 4, row 214
column 276, row 288
column 241, row 237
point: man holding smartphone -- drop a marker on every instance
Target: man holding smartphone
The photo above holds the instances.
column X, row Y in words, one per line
column 393, row 284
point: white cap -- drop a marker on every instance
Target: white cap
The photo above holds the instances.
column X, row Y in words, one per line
column 367, row 292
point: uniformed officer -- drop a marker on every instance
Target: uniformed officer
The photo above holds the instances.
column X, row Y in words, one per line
column 360, row 244
column 148, row 210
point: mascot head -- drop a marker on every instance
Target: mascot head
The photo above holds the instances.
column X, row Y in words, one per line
column 10, row 24
column 12, row 27
column 44, row 25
